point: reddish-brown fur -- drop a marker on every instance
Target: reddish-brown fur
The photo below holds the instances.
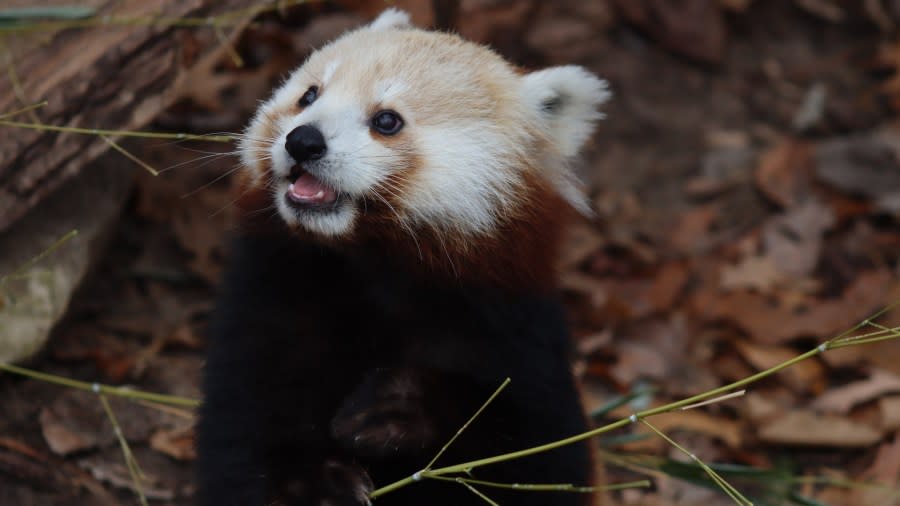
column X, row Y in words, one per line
column 519, row 255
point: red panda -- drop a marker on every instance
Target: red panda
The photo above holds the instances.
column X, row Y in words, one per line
column 404, row 192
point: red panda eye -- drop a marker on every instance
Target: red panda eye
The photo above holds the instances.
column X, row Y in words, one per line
column 309, row 97
column 387, row 122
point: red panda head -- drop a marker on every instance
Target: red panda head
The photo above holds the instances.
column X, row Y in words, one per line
column 423, row 141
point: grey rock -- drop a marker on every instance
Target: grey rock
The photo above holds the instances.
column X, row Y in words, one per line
column 36, row 285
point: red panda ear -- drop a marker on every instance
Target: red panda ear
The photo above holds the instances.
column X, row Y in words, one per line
column 566, row 101
column 391, row 19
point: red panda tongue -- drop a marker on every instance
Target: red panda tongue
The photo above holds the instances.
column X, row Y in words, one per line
column 310, row 190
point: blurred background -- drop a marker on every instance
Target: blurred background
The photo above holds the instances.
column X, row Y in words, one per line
column 745, row 179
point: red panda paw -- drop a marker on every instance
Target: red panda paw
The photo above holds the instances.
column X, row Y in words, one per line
column 337, row 483
column 385, row 416
column 345, row 484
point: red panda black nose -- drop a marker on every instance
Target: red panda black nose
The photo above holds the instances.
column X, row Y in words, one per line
column 305, row 143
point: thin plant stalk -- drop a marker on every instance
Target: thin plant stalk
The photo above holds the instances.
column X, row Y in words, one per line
column 469, row 422
column 40, row 256
column 478, row 493
column 134, row 469
column 127, row 154
column 119, row 133
column 544, row 487
column 27, row 108
column 101, row 388
column 726, row 487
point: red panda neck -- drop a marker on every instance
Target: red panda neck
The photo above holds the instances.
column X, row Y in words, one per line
column 519, row 256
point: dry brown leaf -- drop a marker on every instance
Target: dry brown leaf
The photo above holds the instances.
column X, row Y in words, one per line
column 888, row 58
column 824, row 9
column 759, row 407
column 727, row 431
column 659, row 348
column 865, row 165
column 692, row 28
column 886, row 466
column 117, row 476
column 61, row 438
column 755, row 272
column 885, row 473
column 185, row 335
column 637, row 360
column 76, row 421
column 890, row 413
column 705, row 188
column 784, row 172
column 668, row 284
column 198, row 228
column 806, row 428
column 771, row 323
column 594, row 342
column 489, row 20
column 730, row 365
column 691, row 233
column 793, row 240
column 581, row 240
column 176, row 443
column 792, row 246
column 628, row 300
column 28, row 465
column 807, row 376
column 885, row 355
column 590, row 287
column 841, row 400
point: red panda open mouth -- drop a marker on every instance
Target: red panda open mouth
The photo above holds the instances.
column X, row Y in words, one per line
column 307, row 191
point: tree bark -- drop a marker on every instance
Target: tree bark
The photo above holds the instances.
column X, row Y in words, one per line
column 107, row 77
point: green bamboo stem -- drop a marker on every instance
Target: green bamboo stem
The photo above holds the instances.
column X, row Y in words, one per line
column 100, row 388
column 542, row 487
column 134, row 469
column 119, row 133
column 29, row 264
column 479, row 493
column 23, row 109
column 127, row 154
column 842, row 340
column 468, row 422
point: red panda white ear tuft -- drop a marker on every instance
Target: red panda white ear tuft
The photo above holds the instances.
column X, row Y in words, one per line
column 566, row 99
column 391, row 19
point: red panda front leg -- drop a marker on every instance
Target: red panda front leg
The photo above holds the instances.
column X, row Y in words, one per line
column 386, row 415
column 338, row 483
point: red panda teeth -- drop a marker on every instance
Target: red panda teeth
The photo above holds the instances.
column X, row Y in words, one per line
column 309, row 190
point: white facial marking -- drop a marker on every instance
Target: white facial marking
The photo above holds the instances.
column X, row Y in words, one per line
column 329, row 71
column 389, row 90
column 330, row 224
column 468, row 180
